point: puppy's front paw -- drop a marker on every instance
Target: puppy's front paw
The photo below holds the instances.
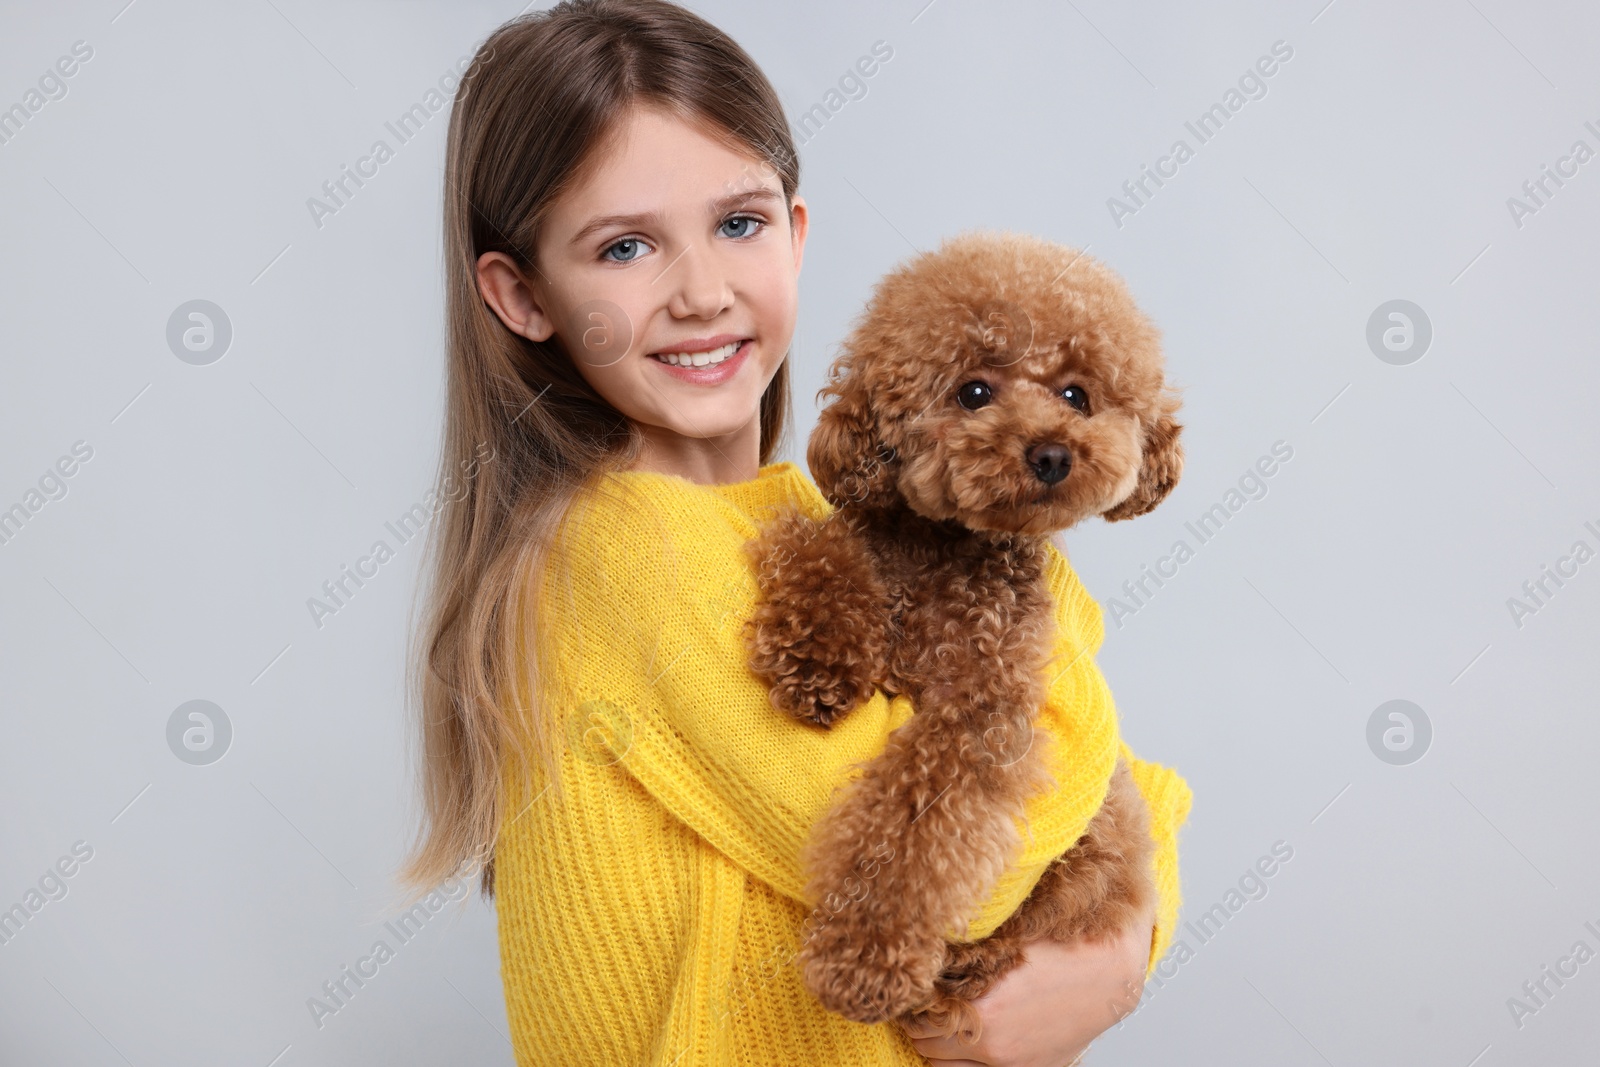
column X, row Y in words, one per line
column 873, row 982
column 947, row 1016
column 815, row 693
column 818, row 636
column 813, row 671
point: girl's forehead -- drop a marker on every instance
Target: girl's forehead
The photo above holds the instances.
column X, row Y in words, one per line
column 653, row 158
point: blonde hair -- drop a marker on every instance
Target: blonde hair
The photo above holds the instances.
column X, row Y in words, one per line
column 542, row 96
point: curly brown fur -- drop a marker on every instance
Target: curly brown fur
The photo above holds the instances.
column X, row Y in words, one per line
column 928, row 579
column 798, row 551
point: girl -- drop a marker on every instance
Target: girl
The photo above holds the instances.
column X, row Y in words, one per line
column 623, row 238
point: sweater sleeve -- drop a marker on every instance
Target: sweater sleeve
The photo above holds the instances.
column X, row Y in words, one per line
column 642, row 643
column 1169, row 798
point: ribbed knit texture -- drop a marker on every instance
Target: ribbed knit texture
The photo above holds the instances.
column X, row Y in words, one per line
column 650, row 915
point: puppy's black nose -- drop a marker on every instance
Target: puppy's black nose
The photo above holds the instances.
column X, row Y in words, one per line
column 1050, row 462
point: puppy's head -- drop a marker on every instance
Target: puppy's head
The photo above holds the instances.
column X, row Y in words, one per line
column 1004, row 382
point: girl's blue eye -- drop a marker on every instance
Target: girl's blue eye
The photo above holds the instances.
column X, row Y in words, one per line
column 633, row 244
column 744, row 218
column 631, row 241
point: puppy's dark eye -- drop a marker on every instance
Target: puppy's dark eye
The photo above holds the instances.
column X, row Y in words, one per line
column 1077, row 397
column 974, row 395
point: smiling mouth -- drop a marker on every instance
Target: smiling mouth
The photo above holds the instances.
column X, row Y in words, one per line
column 700, row 359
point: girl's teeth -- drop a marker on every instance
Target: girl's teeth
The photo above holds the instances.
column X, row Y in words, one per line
column 699, row 359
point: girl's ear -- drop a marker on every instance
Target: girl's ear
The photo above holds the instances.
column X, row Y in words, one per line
column 800, row 224
column 512, row 297
column 1160, row 468
column 848, row 459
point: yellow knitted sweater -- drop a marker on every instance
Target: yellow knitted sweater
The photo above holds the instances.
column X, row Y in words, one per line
column 650, row 905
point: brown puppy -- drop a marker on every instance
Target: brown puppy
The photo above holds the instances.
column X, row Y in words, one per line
column 994, row 392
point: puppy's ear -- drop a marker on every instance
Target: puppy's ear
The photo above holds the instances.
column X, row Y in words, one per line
column 1161, row 466
column 849, row 461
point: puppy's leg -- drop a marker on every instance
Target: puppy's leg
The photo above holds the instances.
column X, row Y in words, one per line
column 819, row 635
column 948, row 816
column 1093, row 892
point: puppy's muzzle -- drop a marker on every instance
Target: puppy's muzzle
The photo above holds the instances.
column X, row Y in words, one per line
column 1050, row 462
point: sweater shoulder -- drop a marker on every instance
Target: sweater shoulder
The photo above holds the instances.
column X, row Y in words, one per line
column 656, row 549
column 1078, row 609
column 636, row 508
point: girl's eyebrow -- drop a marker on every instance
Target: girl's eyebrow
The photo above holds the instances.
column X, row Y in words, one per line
column 653, row 218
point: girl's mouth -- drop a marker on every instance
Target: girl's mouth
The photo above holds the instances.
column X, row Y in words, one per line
column 705, row 368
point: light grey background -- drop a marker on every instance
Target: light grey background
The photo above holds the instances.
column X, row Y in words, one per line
column 1378, row 565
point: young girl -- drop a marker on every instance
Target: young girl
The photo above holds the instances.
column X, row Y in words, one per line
column 623, row 239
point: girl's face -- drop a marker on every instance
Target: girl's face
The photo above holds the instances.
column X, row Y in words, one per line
column 674, row 244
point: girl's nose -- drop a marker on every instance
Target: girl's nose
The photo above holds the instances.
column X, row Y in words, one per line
column 697, row 283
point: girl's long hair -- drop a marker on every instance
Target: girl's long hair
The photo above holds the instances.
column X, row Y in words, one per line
column 523, row 432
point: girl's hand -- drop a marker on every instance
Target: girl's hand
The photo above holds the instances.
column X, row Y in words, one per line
column 1046, row 1011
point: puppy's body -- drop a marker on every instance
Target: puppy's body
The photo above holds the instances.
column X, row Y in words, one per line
column 996, row 391
column 961, row 622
